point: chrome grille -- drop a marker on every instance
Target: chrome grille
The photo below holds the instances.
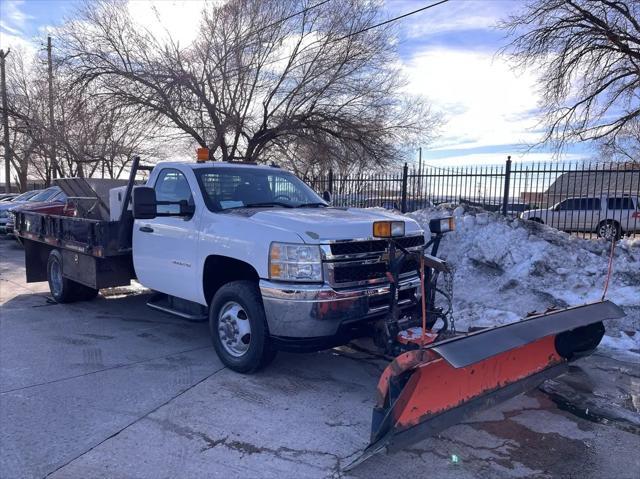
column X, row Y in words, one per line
column 356, row 272
column 355, row 263
column 373, row 246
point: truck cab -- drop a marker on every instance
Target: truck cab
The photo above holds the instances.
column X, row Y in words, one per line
column 275, row 266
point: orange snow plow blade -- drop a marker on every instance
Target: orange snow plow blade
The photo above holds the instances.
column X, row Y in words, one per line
column 424, row 391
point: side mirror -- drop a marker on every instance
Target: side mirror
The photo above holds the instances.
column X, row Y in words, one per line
column 145, row 206
column 326, row 196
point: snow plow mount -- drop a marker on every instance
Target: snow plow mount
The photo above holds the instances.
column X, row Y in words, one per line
column 436, row 380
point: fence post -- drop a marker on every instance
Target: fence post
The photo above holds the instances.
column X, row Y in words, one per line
column 507, row 179
column 405, row 174
column 330, row 185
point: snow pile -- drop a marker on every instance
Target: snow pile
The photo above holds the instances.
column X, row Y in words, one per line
column 505, row 268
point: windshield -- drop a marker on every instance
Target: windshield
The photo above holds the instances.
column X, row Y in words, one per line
column 26, row 196
column 44, row 195
column 228, row 188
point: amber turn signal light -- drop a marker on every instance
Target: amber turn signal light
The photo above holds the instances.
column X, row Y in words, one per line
column 388, row 229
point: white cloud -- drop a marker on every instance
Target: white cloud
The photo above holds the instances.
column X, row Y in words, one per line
column 12, row 14
column 16, row 42
column 178, row 18
column 484, row 101
column 12, row 26
column 454, row 16
column 500, row 158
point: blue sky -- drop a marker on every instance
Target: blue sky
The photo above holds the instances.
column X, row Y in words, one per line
column 449, row 55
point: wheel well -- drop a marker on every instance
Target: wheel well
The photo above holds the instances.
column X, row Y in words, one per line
column 219, row 270
column 604, row 222
column 535, row 219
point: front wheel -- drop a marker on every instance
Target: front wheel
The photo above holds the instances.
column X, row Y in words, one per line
column 239, row 328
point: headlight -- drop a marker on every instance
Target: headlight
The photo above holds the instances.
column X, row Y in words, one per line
column 388, row 229
column 295, row 262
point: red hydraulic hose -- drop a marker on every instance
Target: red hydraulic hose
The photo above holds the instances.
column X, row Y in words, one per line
column 609, row 269
column 423, row 300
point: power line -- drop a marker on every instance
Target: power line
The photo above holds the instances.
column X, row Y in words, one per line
column 371, row 27
column 323, row 2
column 291, row 16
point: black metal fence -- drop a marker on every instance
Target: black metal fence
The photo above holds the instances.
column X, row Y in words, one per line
column 586, row 199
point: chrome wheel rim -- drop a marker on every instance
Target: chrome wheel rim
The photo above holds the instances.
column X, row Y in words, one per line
column 56, row 278
column 234, row 329
column 607, row 231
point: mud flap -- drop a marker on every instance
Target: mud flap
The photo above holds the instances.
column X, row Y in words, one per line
column 424, row 391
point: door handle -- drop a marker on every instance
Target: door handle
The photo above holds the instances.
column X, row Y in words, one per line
column 146, row 229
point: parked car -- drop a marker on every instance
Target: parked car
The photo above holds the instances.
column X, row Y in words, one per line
column 51, row 201
column 7, row 196
column 607, row 216
column 5, row 206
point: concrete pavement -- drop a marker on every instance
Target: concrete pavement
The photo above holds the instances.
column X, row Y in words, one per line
column 110, row 388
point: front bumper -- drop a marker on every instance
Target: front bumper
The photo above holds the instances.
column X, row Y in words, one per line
column 314, row 311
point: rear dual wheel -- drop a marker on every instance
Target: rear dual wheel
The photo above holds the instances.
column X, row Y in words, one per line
column 64, row 290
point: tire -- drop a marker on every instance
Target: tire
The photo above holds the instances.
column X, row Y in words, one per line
column 536, row 220
column 239, row 328
column 64, row 290
column 609, row 230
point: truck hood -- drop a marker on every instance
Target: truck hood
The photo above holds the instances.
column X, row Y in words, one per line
column 318, row 225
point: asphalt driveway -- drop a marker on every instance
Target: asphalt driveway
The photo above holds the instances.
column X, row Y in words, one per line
column 110, row 388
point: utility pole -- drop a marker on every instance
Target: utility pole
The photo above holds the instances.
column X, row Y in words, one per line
column 5, row 123
column 52, row 135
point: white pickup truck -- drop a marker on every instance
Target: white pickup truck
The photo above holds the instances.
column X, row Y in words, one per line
column 253, row 249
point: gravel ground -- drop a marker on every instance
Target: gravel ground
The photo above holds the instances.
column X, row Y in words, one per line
column 110, row 388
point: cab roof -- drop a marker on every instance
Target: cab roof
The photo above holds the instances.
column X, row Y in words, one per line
column 215, row 164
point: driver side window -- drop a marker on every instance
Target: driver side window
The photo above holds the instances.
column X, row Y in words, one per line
column 173, row 186
column 282, row 188
column 566, row 205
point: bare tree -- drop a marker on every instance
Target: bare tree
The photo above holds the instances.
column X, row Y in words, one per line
column 26, row 116
column 626, row 147
column 588, row 53
column 96, row 136
column 255, row 87
column 93, row 134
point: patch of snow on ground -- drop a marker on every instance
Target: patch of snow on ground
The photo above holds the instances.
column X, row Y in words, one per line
column 505, row 268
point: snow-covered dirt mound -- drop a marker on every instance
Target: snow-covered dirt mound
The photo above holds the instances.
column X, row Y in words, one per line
column 505, row 268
